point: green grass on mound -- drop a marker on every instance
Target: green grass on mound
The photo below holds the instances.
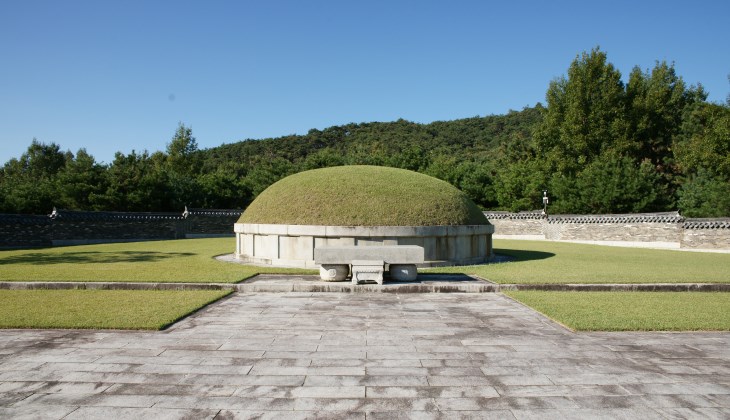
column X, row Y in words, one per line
column 184, row 260
column 559, row 262
column 97, row 309
column 632, row 311
column 363, row 196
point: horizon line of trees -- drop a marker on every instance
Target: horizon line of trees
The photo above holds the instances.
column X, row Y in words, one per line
column 599, row 145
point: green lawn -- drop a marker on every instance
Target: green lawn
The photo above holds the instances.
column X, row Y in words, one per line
column 560, row 262
column 632, row 311
column 96, row 309
column 187, row 260
column 361, row 195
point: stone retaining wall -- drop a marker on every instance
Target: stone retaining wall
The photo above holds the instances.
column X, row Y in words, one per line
column 64, row 227
column 293, row 245
column 667, row 230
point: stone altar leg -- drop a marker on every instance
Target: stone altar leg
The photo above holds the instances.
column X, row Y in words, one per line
column 365, row 270
column 334, row 272
column 403, row 272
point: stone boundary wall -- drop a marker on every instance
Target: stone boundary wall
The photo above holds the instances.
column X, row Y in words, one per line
column 293, row 245
column 25, row 231
column 706, row 234
column 521, row 224
column 206, row 223
column 666, row 230
column 66, row 227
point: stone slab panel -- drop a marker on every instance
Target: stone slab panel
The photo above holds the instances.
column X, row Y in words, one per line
column 266, row 246
column 408, row 254
column 296, row 248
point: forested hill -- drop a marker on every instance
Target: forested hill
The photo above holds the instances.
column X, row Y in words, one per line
column 464, row 152
column 599, row 145
column 400, row 143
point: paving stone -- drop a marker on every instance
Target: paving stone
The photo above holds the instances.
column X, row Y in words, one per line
column 560, row 390
column 21, row 387
column 37, row 412
column 502, row 380
column 458, row 380
column 722, row 400
column 583, row 414
column 281, row 380
column 431, row 392
column 438, row 415
column 228, row 403
column 398, row 371
column 8, row 398
column 289, row 415
column 388, row 380
column 328, row 392
column 352, row 355
column 147, row 413
column 98, row 400
column 172, row 389
column 695, row 413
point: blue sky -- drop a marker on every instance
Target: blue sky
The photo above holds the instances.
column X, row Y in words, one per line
column 119, row 75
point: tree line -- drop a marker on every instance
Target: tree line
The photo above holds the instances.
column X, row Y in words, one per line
column 598, row 145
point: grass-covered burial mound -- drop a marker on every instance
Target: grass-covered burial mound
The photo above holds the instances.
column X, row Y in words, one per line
column 363, row 196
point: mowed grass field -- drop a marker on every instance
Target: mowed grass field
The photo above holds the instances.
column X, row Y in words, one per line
column 184, row 260
column 100, row 309
column 193, row 261
column 632, row 311
column 538, row 262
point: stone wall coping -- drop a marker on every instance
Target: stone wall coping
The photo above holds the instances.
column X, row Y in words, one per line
column 672, row 217
column 665, row 217
column 497, row 215
column 360, row 231
column 722, row 223
column 211, row 212
column 111, row 215
column 24, row 219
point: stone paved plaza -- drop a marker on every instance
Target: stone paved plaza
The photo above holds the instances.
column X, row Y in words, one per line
column 379, row 356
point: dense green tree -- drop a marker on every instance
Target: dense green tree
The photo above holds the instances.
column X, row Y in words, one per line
column 266, row 173
column 585, row 115
column 705, row 140
column 705, row 194
column 82, row 183
column 657, row 102
column 703, row 155
column 519, row 186
column 136, row 183
column 323, row 158
column 224, row 188
column 610, row 184
column 182, row 156
column 29, row 182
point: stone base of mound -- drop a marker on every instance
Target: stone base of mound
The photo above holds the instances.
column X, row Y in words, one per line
column 294, row 245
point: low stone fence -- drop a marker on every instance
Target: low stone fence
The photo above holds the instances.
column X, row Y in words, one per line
column 65, row 227
column 665, row 230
